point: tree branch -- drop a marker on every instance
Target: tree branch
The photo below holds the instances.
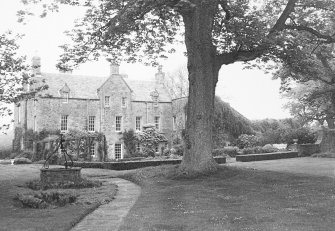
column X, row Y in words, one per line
column 327, row 38
column 280, row 23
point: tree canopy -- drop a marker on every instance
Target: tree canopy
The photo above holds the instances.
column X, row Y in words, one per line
column 215, row 32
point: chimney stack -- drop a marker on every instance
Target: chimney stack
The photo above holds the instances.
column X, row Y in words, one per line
column 114, row 68
column 36, row 65
column 160, row 75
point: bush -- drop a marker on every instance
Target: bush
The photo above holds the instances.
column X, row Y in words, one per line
column 304, row 136
column 177, row 149
column 26, row 154
column 84, row 183
column 5, row 153
column 218, row 152
column 268, row 148
column 247, row 141
column 22, row 160
column 41, row 200
column 232, row 151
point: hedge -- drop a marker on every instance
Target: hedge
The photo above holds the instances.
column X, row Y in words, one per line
column 127, row 165
column 266, row 156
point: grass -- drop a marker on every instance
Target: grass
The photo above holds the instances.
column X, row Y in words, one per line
column 14, row 217
column 324, row 155
column 231, row 199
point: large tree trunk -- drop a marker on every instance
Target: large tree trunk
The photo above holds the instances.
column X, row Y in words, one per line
column 203, row 75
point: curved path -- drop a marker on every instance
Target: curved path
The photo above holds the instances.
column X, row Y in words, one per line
column 109, row 216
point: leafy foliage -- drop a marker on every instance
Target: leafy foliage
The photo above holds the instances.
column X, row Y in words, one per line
column 130, row 140
column 247, row 141
column 14, row 75
column 149, row 139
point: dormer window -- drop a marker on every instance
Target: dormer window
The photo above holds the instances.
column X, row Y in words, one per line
column 65, row 93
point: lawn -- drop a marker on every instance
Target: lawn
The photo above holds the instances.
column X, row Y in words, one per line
column 13, row 217
column 232, row 199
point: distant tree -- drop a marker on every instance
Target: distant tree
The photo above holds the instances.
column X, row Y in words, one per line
column 216, row 33
column 13, row 75
column 177, row 82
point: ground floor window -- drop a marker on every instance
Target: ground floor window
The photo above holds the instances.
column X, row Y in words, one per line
column 118, row 151
column 138, row 147
column 92, row 149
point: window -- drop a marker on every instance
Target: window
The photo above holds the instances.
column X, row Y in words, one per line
column 157, row 122
column 107, row 99
column 155, row 102
column 118, row 151
column 123, row 101
column 174, row 123
column 65, row 96
column 138, row 147
column 92, row 149
column 63, row 123
column 91, row 120
column 138, row 123
column 118, row 123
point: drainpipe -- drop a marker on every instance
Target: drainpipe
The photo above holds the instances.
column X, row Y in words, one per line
column 147, row 112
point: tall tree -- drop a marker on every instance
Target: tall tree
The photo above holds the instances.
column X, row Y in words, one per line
column 12, row 75
column 216, row 33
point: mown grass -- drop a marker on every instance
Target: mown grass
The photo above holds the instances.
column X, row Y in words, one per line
column 14, row 217
column 231, row 199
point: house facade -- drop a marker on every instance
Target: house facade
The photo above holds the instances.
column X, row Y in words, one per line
column 109, row 105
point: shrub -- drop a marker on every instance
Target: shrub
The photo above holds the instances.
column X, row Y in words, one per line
column 130, row 141
column 41, row 200
column 232, row 151
column 268, row 148
column 22, row 160
column 218, row 152
column 84, row 183
column 177, row 149
column 247, row 141
column 304, row 136
column 26, row 154
column 5, row 153
column 149, row 139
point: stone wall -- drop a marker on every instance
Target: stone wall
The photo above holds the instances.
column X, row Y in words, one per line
column 324, row 143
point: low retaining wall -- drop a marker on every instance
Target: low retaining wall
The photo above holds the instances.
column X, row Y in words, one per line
column 60, row 175
column 308, row 149
column 266, row 156
column 127, row 165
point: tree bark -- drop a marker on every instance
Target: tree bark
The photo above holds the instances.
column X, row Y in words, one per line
column 203, row 76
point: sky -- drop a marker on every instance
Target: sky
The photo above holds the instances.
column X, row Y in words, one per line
column 251, row 92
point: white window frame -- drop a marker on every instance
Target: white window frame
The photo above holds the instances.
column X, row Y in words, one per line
column 123, row 102
column 107, row 101
column 157, row 123
column 155, row 102
column 118, row 123
column 138, row 147
column 64, row 118
column 66, row 96
column 118, row 147
column 92, row 149
column 91, row 124
column 138, row 123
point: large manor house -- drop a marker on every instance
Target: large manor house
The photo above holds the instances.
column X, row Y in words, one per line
column 110, row 105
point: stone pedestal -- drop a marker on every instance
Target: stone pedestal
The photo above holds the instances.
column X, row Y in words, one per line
column 60, row 175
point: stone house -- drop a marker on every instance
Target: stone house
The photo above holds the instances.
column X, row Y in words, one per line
column 109, row 105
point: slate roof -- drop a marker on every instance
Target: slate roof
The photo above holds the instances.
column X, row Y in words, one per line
column 85, row 87
column 142, row 90
column 82, row 87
